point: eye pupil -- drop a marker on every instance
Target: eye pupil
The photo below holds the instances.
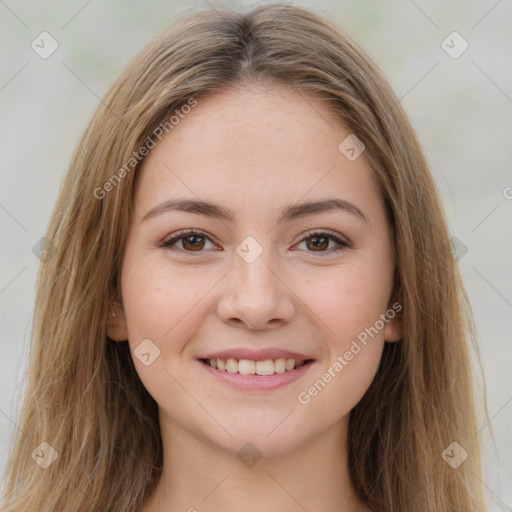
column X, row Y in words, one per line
column 195, row 242
column 321, row 245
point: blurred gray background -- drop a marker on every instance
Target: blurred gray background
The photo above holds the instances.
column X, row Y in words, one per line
column 459, row 100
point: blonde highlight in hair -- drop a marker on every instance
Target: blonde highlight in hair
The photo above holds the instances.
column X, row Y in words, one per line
column 83, row 394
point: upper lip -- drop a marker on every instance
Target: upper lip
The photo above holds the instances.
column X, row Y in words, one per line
column 256, row 355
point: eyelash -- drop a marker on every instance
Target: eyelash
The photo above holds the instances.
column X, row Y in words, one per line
column 180, row 235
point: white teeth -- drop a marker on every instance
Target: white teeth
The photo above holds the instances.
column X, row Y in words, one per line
column 280, row 365
column 232, row 366
column 265, row 367
column 290, row 364
column 246, row 367
column 249, row 367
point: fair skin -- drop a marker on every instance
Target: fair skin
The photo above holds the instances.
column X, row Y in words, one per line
column 256, row 151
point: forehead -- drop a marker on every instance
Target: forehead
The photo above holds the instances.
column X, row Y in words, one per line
column 264, row 146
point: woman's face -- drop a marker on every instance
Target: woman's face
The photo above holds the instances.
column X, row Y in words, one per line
column 245, row 286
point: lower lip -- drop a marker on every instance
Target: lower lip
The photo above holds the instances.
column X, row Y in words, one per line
column 258, row 382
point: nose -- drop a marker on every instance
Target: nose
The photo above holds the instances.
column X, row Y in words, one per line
column 256, row 295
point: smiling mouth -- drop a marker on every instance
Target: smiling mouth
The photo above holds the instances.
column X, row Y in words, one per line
column 250, row 367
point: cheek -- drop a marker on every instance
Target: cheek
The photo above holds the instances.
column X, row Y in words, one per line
column 347, row 306
column 162, row 304
column 347, row 300
column 157, row 298
column 338, row 387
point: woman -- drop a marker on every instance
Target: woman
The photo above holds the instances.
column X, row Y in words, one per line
column 252, row 300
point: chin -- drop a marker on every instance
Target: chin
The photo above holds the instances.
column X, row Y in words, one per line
column 262, row 440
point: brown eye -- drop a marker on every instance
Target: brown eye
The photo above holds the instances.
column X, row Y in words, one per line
column 193, row 242
column 317, row 242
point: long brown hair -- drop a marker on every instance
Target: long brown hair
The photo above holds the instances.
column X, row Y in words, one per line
column 83, row 395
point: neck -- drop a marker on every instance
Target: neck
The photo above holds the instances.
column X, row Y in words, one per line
column 200, row 476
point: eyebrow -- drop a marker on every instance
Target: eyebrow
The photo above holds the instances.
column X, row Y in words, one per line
column 290, row 212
